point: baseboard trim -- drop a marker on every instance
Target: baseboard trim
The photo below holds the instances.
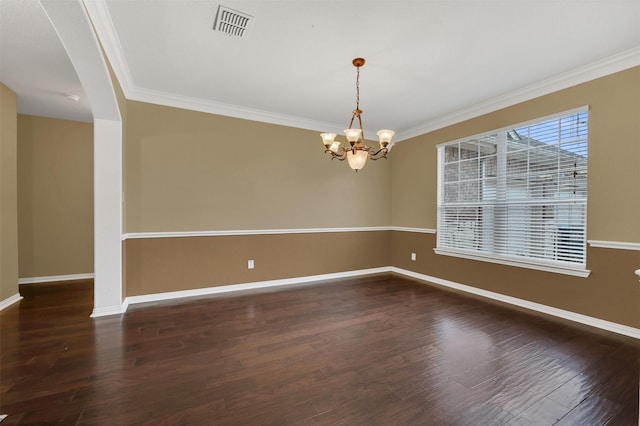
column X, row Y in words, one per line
column 155, row 297
column 106, row 311
column 55, row 278
column 10, row 301
column 538, row 307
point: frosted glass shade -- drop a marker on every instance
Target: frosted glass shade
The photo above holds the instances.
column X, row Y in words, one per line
column 385, row 137
column 352, row 134
column 357, row 160
column 327, row 139
column 335, row 146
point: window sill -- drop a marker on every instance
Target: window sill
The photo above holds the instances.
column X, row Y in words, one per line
column 510, row 261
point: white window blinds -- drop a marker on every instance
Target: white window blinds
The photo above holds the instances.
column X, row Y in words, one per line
column 517, row 193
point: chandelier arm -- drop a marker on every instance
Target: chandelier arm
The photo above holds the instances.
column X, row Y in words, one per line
column 341, row 157
column 376, row 155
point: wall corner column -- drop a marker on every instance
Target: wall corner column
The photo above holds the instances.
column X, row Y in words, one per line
column 107, row 217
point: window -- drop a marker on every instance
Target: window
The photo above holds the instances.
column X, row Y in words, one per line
column 517, row 195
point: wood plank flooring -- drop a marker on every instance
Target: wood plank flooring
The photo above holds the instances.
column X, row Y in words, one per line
column 378, row 351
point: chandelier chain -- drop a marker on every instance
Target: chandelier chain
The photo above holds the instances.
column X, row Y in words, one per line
column 358, row 88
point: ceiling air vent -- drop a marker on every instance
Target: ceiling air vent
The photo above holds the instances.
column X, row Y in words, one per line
column 232, row 22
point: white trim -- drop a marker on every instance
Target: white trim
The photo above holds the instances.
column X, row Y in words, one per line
column 10, row 301
column 103, row 24
column 106, row 311
column 137, row 235
column 228, row 110
column 247, row 286
column 620, row 245
column 538, row 307
column 55, row 278
column 418, row 230
column 610, row 65
column 558, row 269
column 99, row 13
column 233, row 232
column 107, row 219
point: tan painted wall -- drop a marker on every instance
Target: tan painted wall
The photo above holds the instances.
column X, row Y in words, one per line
column 190, row 171
column 55, row 196
column 612, row 291
column 614, row 155
column 8, row 194
column 169, row 264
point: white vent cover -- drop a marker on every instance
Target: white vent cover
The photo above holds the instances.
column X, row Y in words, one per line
column 232, row 22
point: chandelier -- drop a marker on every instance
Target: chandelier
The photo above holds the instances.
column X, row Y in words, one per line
column 355, row 151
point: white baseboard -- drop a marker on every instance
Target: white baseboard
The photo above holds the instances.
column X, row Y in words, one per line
column 55, row 278
column 10, row 301
column 106, row 311
column 549, row 310
column 247, row 286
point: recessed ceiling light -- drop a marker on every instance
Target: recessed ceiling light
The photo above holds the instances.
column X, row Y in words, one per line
column 72, row 97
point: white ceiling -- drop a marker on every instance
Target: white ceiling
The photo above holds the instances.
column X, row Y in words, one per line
column 429, row 63
column 35, row 65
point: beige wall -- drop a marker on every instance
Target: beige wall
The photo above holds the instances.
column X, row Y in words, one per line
column 55, row 196
column 190, row 171
column 8, row 194
column 614, row 155
column 169, row 264
column 612, row 291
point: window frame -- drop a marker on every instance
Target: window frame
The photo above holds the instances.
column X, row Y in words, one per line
column 562, row 267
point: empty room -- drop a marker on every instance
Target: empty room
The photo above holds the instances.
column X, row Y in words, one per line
column 319, row 212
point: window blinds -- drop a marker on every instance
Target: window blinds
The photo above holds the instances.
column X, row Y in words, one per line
column 519, row 192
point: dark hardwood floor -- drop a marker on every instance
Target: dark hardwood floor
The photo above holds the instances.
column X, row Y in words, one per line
column 377, row 351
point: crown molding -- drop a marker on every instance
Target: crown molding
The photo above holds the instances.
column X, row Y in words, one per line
column 101, row 18
column 601, row 68
column 103, row 25
column 227, row 110
column 99, row 13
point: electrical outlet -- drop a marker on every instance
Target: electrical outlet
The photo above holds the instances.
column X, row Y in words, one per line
column 413, row 256
column 250, row 264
